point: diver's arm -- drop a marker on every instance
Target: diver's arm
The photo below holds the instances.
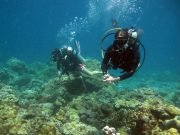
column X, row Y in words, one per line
column 86, row 71
column 58, row 65
column 81, row 58
column 77, row 51
column 110, row 79
column 104, row 64
column 89, row 72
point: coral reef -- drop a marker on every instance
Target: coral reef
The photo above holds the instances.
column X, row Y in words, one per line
column 33, row 101
column 8, row 109
column 172, row 123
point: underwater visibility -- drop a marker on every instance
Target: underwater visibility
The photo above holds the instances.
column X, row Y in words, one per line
column 89, row 67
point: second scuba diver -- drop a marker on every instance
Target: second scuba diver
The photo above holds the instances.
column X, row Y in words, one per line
column 68, row 61
column 122, row 54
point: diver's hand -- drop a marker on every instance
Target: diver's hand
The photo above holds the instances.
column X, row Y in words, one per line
column 109, row 79
column 106, row 76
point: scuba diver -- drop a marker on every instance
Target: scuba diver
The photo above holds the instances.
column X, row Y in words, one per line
column 122, row 54
column 69, row 61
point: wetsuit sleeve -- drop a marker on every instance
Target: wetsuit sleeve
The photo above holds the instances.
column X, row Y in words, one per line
column 104, row 64
column 80, row 58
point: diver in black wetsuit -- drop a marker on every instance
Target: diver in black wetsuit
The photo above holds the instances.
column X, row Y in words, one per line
column 69, row 61
column 123, row 54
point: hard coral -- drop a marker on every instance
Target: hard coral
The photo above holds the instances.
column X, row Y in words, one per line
column 78, row 128
column 172, row 123
column 172, row 131
column 8, row 109
column 48, row 129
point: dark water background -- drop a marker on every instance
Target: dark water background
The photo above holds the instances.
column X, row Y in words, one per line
column 29, row 28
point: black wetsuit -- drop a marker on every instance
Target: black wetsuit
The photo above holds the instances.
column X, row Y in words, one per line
column 123, row 54
column 68, row 62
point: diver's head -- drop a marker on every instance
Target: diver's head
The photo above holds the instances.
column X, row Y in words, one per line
column 121, row 35
column 66, row 50
column 55, row 54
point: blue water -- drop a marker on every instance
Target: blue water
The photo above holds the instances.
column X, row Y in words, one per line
column 30, row 29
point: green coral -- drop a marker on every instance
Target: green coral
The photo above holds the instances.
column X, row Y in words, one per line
column 48, row 129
